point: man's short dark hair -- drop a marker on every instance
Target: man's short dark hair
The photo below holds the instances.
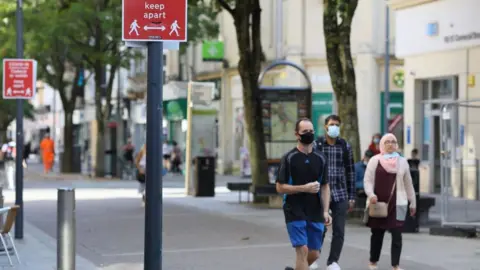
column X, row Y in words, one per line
column 333, row 117
column 415, row 151
column 297, row 124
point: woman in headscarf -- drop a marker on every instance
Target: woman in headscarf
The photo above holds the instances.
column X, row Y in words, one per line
column 387, row 179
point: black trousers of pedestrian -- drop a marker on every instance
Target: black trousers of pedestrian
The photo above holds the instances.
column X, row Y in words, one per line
column 339, row 216
column 376, row 242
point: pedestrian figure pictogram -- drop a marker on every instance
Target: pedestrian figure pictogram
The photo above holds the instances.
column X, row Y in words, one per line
column 174, row 28
column 134, row 28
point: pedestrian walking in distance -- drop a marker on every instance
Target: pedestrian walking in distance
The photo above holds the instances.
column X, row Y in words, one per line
column 387, row 180
column 303, row 179
column 341, row 174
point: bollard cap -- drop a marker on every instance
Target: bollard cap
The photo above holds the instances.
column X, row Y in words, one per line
column 66, row 189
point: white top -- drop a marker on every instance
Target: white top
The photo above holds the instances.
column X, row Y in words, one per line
column 167, row 149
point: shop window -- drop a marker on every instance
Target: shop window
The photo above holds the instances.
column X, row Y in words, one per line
column 425, row 95
column 441, row 89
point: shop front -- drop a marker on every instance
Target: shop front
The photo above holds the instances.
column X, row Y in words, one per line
column 440, row 44
column 175, row 113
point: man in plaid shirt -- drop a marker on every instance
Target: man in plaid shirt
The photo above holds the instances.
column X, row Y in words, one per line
column 341, row 174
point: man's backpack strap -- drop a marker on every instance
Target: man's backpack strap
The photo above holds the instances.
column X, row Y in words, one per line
column 319, row 145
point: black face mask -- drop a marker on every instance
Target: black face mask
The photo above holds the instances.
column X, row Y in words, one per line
column 307, row 138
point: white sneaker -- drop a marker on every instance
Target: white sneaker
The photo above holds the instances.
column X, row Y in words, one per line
column 314, row 266
column 334, row 266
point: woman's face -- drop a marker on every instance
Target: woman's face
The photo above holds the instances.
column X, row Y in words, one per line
column 390, row 145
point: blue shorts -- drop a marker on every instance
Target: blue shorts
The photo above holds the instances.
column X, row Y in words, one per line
column 305, row 233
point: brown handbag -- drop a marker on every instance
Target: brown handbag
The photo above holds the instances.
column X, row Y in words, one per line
column 380, row 209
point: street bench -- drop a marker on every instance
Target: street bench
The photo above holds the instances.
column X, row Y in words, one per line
column 240, row 187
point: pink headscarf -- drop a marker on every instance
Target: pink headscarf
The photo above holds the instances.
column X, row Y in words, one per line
column 389, row 164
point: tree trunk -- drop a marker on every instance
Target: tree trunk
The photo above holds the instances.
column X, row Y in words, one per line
column 67, row 158
column 100, row 116
column 3, row 135
column 249, row 65
column 100, row 147
column 341, row 66
column 347, row 109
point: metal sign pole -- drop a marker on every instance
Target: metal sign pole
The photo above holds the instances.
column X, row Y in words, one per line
column 154, row 198
column 19, row 130
column 386, row 96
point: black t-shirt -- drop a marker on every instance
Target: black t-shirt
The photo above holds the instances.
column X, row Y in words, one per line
column 297, row 168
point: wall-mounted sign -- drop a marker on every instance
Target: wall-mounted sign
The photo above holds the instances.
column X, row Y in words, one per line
column 213, row 51
column 322, row 107
column 409, row 135
column 432, row 29
column 398, row 78
column 176, row 109
column 471, row 80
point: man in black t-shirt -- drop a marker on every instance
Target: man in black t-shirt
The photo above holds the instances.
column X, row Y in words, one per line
column 302, row 178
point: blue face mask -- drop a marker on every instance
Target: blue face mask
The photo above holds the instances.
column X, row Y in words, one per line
column 391, row 155
column 333, row 131
column 376, row 140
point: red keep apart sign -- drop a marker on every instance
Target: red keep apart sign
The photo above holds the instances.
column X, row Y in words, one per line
column 154, row 20
column 19, row 78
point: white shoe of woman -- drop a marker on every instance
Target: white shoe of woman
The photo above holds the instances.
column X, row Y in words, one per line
column 372, row 267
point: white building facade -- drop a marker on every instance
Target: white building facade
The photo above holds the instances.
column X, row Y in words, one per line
column 440, row 44
column 303, row 43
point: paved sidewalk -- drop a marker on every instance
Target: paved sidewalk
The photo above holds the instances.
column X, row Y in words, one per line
column 38, row 251
column 200, row 233
column 419, row 250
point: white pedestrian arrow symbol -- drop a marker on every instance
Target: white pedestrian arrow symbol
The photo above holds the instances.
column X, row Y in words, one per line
column 212, row 50
column 162, row 28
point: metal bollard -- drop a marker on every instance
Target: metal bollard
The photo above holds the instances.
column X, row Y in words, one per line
column 66, row 233
column 477, row 176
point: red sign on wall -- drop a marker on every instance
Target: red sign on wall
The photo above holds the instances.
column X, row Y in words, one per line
column 19, row 78
column 154, row 20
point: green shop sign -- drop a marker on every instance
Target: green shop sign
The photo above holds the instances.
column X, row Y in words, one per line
column 176, row 109
column 395, row 107
column 322, row 107
column 213, row 51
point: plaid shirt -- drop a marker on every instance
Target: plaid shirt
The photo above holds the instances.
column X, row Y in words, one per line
column 341, row 176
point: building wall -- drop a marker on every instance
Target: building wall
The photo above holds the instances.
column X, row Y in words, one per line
column 303, row 43
column 440, row 39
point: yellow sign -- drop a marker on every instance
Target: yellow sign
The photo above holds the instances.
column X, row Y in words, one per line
column 471, row 80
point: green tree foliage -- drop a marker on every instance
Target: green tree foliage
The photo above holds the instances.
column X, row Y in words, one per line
column 337, row 27
column 101, row 48
column 247, row 19
column 46, row 24
column 202, row 22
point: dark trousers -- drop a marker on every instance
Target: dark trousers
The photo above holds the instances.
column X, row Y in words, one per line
column 376, row 242
column 339, row 216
